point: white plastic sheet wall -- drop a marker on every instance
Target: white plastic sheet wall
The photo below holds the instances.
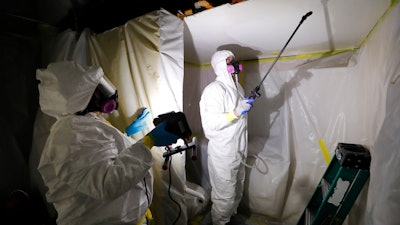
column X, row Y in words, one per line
column 144, row 59
column 350, row 97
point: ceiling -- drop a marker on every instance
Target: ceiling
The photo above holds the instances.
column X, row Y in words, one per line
column 252, row 29
column 258, row 29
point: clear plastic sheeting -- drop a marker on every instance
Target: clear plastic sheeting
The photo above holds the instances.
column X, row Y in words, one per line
column 350, row 97
column 384, row 189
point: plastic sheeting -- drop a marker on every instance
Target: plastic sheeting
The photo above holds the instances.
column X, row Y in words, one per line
column 384, row 190
column 144, row 60
column 257, row 28
column 338, row 98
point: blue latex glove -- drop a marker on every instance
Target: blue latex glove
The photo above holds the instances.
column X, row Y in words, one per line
column 244, row 106
column 138, row 124
column 161, row 137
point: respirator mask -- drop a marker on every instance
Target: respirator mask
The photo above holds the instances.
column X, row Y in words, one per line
column 109, row 102
column 104, row 98
column 234, row 67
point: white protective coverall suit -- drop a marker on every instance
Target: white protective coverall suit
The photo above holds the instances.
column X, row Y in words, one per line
column 227, row 145
column 94, row 173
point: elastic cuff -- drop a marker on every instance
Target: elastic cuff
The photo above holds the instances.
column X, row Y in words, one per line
column 148, row 141
column 231, row 116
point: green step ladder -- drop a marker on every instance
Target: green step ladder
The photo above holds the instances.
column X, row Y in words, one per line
column 340, row 186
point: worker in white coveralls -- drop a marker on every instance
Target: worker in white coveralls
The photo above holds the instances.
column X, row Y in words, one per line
column 223, row 109
column 94, row 173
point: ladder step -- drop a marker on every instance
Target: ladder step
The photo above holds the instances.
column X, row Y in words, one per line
column 332, row 200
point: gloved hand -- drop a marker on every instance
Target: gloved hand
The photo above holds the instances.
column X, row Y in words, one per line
column 138, row 124
column 244, row 106
column 161, row 137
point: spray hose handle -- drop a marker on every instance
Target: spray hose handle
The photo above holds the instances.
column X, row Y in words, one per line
column 255, row 92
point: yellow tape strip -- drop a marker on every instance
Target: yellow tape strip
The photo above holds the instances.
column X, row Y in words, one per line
column 324, row 150
column 283, row 58
column 392, row 5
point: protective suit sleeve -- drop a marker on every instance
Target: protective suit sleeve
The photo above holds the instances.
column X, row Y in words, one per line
column 215, row 110
column 89, row 160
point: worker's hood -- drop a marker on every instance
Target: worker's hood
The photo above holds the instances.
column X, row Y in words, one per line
column 218, row 62
column 66, row 87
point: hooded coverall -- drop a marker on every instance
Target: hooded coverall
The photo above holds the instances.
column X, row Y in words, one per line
column 94, row 173
column 227, row 139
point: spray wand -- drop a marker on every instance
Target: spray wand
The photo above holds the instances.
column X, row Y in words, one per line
column 255, row 92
